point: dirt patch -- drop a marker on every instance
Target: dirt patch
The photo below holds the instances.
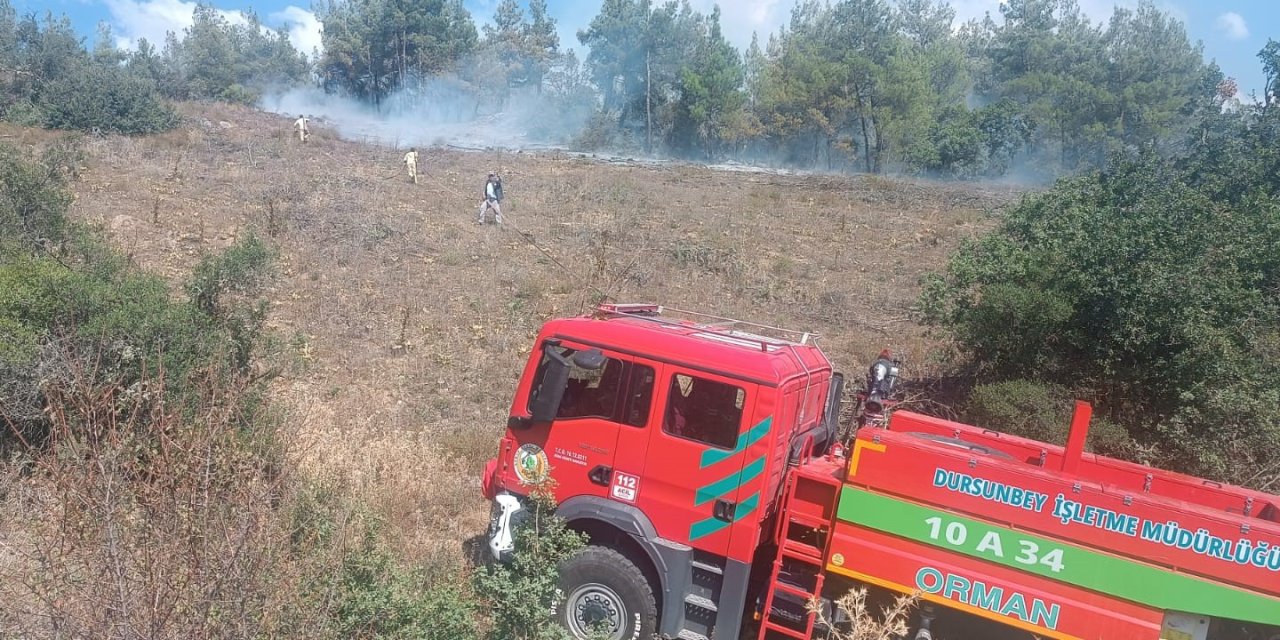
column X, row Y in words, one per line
column 409, row 322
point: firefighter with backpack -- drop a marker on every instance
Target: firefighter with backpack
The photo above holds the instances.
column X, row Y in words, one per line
column 491, row 199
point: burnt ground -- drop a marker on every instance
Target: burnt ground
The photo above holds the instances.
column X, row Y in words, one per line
column 406, row 324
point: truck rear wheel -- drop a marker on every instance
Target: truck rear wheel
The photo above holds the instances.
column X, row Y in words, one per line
column 606, row 592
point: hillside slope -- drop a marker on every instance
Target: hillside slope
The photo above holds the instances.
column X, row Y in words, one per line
column 409, row 323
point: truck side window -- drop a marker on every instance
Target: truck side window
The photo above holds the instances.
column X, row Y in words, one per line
column 704, row 410
column 639, row 396
column 592, row 394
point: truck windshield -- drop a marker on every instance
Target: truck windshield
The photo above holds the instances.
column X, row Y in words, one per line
column 591, row 393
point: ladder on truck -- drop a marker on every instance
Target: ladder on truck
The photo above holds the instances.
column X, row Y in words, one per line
column 803, row 536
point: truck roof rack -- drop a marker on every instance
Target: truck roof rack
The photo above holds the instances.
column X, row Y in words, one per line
column 718, row 325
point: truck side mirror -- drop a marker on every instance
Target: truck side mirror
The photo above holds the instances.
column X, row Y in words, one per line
column 551, row 389
column 591, row 359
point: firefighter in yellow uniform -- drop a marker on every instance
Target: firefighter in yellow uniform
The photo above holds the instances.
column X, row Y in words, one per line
column 300, row 125
column 411, row 163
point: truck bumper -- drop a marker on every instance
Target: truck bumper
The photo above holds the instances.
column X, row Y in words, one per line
column 503, row 520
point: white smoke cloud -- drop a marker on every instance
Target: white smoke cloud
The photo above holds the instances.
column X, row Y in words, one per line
column 303, row 26
column 1232, row 25
column 440, row 111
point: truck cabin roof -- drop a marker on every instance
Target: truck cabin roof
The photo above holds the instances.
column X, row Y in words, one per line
column 722, row 347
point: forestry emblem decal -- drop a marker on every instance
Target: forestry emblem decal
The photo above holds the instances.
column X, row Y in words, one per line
column 530, row 463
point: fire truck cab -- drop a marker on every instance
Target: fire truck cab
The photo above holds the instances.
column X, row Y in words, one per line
column 700, row 455
column 668, row 441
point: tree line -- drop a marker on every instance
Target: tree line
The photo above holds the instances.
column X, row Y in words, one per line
column 1148, row 287
column 849, row 85
column 48, row 77
column 845, row 85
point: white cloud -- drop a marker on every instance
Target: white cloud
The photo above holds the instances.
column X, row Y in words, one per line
column 133, row 20
column 303, row 27
column 740, row 18
column 1232, row 25
column 1098, row 11
column 967, row 10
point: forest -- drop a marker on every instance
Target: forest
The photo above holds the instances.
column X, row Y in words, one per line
column 1036, row 92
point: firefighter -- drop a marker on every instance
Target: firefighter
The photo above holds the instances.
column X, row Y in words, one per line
column 300, row 125
column 411, row 163
column 492, row 199
column 881, row 378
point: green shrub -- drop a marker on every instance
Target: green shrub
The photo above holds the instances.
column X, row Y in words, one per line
column 381, row 599
column 240, row 269
column 66, row 299
column 1149, row 286
column 521, row 594
column 1022, row 407
column 121, row 321
column 24, row 114
column 33, row 201
column 107, row 99
column 1041, row 412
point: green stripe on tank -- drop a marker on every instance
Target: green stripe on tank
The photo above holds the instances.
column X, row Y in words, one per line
column 729, row 483
column 704, row 528
column 745, row 439
column 1075, row 565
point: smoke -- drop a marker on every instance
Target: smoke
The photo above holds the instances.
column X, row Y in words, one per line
column 443, row 110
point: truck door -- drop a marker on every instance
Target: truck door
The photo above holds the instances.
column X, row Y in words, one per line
column 579, row 446
column 638, row 409
column 695, row 457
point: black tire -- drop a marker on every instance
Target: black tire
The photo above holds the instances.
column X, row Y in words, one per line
column 599, row 586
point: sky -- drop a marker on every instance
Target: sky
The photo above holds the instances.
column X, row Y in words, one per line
column 1232, row 31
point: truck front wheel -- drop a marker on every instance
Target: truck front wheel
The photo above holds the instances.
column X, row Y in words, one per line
column 605, row 593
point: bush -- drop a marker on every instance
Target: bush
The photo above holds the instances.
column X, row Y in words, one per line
column 133, row 516
column 520, row 595
column 106, row 99
column 380, row 599
column 1141, row 287
column 1022, row 407
column 68, row 302
column 33, row 201
column 1041, row 412
column 24, row 114
column 240, row 269
column 893, row 621
column 125, row 323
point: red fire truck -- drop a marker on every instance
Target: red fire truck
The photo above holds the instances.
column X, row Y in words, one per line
column 701, row 457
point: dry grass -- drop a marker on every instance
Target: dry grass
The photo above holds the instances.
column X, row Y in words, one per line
column 890, row 623
column 413, row 322
column 142, row 520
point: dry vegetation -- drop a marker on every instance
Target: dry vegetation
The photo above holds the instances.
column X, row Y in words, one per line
column 408, row 322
